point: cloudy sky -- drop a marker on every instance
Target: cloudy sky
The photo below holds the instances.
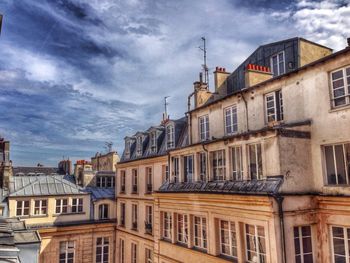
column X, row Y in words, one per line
column 77, row 73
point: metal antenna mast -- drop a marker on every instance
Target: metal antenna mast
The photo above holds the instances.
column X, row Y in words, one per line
column 205, row 67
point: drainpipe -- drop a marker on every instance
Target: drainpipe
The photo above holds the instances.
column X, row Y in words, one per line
column 207, row 157
column 189, row 117
column 246, row 110
column 279, row 200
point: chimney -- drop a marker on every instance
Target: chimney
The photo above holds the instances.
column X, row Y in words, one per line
column 220, row 76
column 348, row 39
column 255, row 74
column 201, row 92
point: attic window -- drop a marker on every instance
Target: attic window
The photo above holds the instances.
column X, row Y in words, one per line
column 154, row 142
column 170, row 137
column 127, row 148
column 139, row 146
column 278, row 64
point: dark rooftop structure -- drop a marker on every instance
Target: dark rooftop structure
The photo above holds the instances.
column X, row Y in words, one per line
column 33, row 171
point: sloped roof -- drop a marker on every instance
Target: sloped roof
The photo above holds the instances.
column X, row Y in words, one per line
column 43, row 185
column 23, row 170
column 98, row 193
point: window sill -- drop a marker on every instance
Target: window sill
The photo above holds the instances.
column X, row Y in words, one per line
column 22, row 216
column 230, row 258
column 38, row 216
column 135, row 229
column 148, row 193
column 181, row 244
column 149, row 233
column 339, row 108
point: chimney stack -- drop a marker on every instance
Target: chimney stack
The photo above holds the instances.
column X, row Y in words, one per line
column 255, row 74
column 220, row 76
column 348, row 41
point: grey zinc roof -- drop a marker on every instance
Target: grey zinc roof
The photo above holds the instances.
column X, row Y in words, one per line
column 98, row 193
column 43, row 185
column 24, row 170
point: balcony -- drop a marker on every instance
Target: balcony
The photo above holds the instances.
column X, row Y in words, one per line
column 149, row 188
column 134, row 226
column 134, row 189
column 148, row 228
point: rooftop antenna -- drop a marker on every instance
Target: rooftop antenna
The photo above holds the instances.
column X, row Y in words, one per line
column 108, row 146
column 1, row 16
column 205, row 67
column 165, row 115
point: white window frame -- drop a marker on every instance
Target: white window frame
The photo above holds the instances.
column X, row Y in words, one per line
column 216, row 167
column 127, row 148
column 122, row 180
column 139, row 146
column 104, row 245
column 134, row 252
column 301, row 245
column 121, row 250
column 42, row 208
column 203, row 122
column 135, row 180
column 259, row 176
column 277, row 114
column 122, row 213
column 134, row 215
column 335, row 163
column 256, row 241
column 346, row 240
column 101, row 211
column 182, row 228
column 346, row 87
column 67, row 250
column 200, row 241
column 23, row 207
column 202, row 166
column 149, row 214
column 189, row 165
column 149, row 177
column 231, row 113
column 77, row 205
column 237, row 169
column 230, row 243
column 153, row 140
column 61, row 206
column 176, row 169
column 167, row 225
column 170, row 136
column 275, row 74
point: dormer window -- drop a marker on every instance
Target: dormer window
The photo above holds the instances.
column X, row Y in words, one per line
column 170, row 137
column 139, row 146
column 127, row 148
column 278, row 64
column 154, row 142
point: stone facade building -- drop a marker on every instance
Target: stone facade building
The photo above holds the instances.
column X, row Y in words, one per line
column 262, row 172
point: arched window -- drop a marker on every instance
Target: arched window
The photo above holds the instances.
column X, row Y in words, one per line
column 103, row 211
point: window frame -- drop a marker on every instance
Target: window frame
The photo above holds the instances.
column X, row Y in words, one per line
column 167, row 218
column 301, row 243
column 346, row 87
column 23, row 208
column 67, row 251
column 204, row 128
column 182, row 233
column 149, row 179
column 104, row 246
column 122, row 181
column 61, row 206
column 134, row 253
column 233, row 112
column 278, row 107
column 256, row 241
column 236, row 164
column 175, row 169
column 77, row 205
column 135, row 180
column 153, row 141
column 230, row 239
column 122, row 214
column 215, row 167
column 278, row 63
column 202, row 166
column 258, row 175
column 121, row 250
column 346, row 242
column 202, row 240
column 134, row 216
column 148, row 255
column 170, row 136
column 102, row 208
column 43, row 209
column 188, row 168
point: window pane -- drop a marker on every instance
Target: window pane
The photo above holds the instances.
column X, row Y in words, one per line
column 338, row 74
column 339, row 158
column 331, row 176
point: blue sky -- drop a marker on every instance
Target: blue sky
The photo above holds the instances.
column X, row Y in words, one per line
column 75, row 74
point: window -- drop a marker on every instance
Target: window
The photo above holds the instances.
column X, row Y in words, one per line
column 77, row 205
column 341, row 241
column 153, row 142
column 176, row 166
column 170, row 137
column 127, row 148
column 103, row 211
column 255, row 244
column 40, row 207
column 102, row 250
column 134, row 181
column 274, row 106
column 133, row 253
column 231, row 125
column 182, row 228
column 149, row 219
column 122, row 214
column 202, row 166
column 204, row 128
column 303, row 244
column 139, row 146
column 165, row 173
column 236, row 163
column 61, row 206
column 121, row 251
column 200, row 232
column 134, row 216
column 337, row 159
column 105, row 181
column 148, row 255
column 167, row 225
column 22, row 208
column 122, row 181
column 255, row 161
column 188, row 168
column 278, row 64
column 67, row 252
column 149, row 185
column 218, row 165
column 341, row 87
column 228, row 240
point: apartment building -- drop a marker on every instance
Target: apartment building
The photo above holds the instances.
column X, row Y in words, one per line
column 142, row 169
column 265, row 176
